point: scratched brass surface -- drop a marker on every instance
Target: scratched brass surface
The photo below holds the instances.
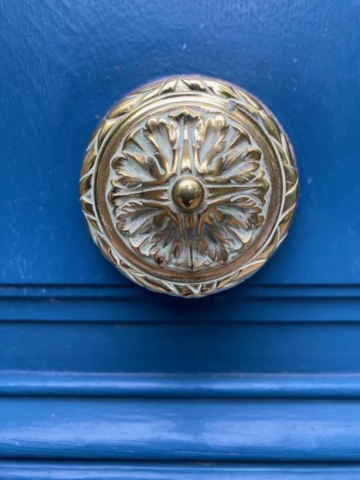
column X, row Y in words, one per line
column 188, row 185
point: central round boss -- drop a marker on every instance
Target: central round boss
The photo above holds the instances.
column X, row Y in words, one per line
column 188, row 193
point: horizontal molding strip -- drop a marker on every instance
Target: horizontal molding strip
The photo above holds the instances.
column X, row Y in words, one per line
column 181, row 347
column 133, row 291
column 127, row 303
column 149, row 471
column 180, row 430
column 54, row 384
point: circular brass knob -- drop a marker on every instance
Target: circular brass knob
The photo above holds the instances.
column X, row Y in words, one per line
column 188, row 185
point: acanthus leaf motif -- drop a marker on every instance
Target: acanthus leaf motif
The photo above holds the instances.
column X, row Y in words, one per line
column 132, row 170
column 227, row 162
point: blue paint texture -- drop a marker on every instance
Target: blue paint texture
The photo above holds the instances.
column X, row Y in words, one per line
column 261, row 382
column 65, row 63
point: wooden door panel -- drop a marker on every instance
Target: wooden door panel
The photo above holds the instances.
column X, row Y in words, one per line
column 64, row 64
column 101, row 379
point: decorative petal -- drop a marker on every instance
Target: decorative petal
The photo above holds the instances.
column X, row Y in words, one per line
column 185, row 117
column 253, row 189
column 166, row 245
column 136, row 144
column 132, row 170
column 237, row 138
column 239, row 166
column 163, row 137
column 210, row 138
column 136, row 218
column 213, row 243
column 241, row 214
column 150, row 230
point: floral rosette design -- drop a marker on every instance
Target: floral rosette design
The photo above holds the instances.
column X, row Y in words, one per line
column 221, row 159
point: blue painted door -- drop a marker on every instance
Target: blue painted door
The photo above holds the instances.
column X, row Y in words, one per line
column 101, row 379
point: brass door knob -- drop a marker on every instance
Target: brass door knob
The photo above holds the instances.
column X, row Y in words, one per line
column 188, row 185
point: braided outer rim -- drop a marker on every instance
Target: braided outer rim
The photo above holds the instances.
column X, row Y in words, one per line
column 243, row 101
